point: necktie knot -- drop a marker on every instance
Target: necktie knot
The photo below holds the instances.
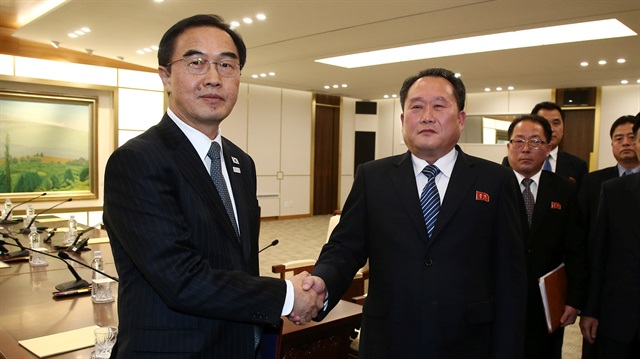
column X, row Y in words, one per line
column 527, row 182
column 431, row 171
column 214, row 151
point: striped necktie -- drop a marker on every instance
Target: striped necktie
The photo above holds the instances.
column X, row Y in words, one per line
column 430, row 198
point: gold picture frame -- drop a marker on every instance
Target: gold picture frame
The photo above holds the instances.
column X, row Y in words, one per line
column 48, row 143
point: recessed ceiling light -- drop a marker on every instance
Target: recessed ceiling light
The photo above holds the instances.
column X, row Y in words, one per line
column 85, row 29
column 386, row 96
column 139, row 52
column 255, row 76
column 79, row 32
column 510, row 88
column 155, row 48
column 234, row 24
column 261, row 17
column 394, row 95
column 457, row 74
column 146, row 49
column 335, row 86
column 624, row 82
column 326, row 87
column 272, row 73
column 585, row 31
column 638, row 81
column 487, row 89
column 602, row 62
column 584, row 64
column 72, row 35
column 344, row 85
column 247, row 20
column 621, row 61
column 498, row 88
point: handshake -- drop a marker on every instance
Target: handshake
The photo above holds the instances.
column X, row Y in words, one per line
column 308, row 298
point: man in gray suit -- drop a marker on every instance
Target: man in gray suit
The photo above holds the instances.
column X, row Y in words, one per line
column 182, row 215
column 445, row 250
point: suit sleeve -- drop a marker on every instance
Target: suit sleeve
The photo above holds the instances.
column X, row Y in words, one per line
column 575, row 254
column 160, row 232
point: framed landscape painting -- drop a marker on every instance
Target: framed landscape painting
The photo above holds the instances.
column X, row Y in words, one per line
column 47, row 144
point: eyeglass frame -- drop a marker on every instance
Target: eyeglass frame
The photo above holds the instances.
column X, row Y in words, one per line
column 191, row 58
column 534, row 143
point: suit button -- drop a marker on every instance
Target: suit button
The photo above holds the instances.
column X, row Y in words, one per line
column 428, row 262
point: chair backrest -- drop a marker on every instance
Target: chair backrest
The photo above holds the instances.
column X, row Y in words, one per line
column 333, row 222
column 289, row 269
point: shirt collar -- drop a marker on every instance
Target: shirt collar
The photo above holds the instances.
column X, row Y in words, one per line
column 199, row 140
column 554, row 153
column 444, row 163
column 535, row 178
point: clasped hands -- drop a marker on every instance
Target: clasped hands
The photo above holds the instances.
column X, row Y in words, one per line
column 308, row 298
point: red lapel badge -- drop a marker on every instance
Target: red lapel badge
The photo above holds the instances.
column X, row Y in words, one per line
column 556, row 205
column 481, row 196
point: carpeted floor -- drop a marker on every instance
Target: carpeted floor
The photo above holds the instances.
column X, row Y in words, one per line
column 303, row 239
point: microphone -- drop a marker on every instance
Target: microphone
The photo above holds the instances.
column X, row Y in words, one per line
column 64, row 255
column 72, row 285
column 27, row 229
column 273, row 244
column 50, row 235
column 6, row 221
column 16, row 254
column 81, row 233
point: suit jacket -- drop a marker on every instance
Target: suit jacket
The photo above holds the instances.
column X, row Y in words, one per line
column 589, row 194
column 188, row 286
column 568, row 166
column 460, row 294
column 555, row 236
column 614, row 287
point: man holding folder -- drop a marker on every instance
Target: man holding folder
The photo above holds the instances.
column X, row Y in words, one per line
column 552, row 235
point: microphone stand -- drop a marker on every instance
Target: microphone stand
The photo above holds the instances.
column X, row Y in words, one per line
column 27, row 229
column 273, row 244
column 72, row 285
column 64, row 255
column 6, row 221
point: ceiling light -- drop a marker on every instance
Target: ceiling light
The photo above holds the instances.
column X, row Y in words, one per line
column 386, row 96
column 498, row 88
column 602, row 62
column 344, row 85
column 139, row 52
column 247, row 20
column 263, row 75
column 55, row 44
column 457, row 74
column 584, row 64
column 71, row 34
column 158, row 1
column 486, row 89
column 638, row 81
column 326, row 87
column 85, row 30
column 234, row 24
column 335, row 86
column 255, row 76
column 155, row 48
column 510, row 88
column 624, row 82
column 79, row 32
column 261, row 17
column 146, row 49
column 621, row 61
column 585, row 31
column 272, row 73
column 394, row 95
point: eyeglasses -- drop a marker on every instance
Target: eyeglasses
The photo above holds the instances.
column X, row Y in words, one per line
column 196, row 65
column 533, row 144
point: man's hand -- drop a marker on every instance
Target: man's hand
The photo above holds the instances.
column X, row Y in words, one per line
column 318, row 285
column 589, row 328
column 569, row 316
column 304, row 301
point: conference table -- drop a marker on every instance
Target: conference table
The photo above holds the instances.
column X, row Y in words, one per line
column 29, row 310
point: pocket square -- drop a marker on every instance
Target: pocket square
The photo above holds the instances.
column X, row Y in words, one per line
column 482, row 196
column 236, row 169
column 556, row 205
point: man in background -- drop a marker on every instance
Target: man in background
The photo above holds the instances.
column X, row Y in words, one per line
column 624, row 151
column 611, row 317
column 552, row 234
column 447, row 277
column 182, row 216
column 560, row 162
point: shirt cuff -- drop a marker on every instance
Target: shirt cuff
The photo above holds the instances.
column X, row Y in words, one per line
column 288, row 300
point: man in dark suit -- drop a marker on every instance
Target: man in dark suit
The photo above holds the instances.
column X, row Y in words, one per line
column 560, row 162
column 611, row 318
column 552, row 233
column 188, row 261
column 445, row 282
column 623, row 148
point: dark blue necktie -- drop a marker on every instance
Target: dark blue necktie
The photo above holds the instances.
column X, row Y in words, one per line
column 547, row 164
column 430, row 198
column 221, row 186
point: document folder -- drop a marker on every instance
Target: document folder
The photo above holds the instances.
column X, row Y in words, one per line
column 553, row 289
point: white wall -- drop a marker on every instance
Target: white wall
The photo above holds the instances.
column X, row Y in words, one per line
column 616, row 101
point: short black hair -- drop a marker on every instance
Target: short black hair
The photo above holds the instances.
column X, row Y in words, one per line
column 549, row 106
column 546, row 126
column 167, row 43
column 621, row 121
column 459, row 90
column 636, row 125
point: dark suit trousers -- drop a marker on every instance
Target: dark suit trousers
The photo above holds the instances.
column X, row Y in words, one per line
column 611, row 349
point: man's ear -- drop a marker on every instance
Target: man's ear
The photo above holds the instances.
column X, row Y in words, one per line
column 165, row 76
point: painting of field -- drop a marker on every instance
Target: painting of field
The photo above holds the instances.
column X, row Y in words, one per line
column 45, row 143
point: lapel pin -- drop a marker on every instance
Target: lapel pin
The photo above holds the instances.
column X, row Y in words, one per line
column 235, row 160
column 556, row 205
column 482, row 196
column 236, row 169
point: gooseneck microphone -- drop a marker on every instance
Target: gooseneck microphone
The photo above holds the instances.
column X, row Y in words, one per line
column 6, row 221
column 16, row 254
column 273, row 244
column 82, row 232
column 27, row 229
column 64, row 255
column 72, row 285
